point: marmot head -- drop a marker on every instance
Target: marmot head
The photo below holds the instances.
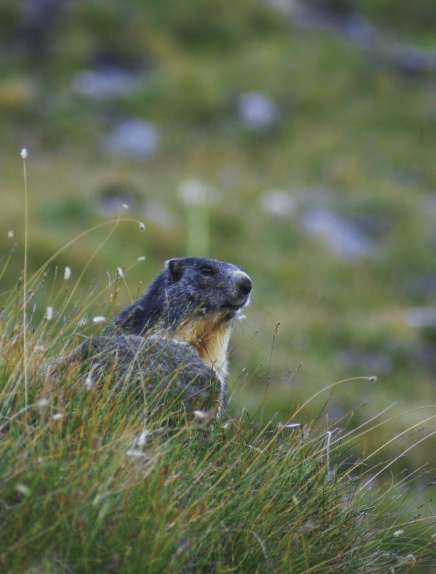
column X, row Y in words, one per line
column 207, row 286
column 187, row 290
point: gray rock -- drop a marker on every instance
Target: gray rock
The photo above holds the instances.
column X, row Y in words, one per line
column 420, row 284
column 104, row 83
column 136, row 139
column 374, row 362
column 420, row 318
column 340, row 234
column 257, row 110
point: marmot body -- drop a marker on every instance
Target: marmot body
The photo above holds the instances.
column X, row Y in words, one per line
column 179, row 330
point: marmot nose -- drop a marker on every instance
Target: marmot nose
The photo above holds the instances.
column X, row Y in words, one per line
column 245, row 284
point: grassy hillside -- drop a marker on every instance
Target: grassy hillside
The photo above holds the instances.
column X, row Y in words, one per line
column 92, row 480
column 350, row 147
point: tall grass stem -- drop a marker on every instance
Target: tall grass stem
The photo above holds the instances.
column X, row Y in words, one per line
column 26, row 227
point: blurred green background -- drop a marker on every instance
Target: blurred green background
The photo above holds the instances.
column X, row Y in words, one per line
column 294, row 138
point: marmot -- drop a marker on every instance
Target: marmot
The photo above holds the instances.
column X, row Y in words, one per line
column 175, row 336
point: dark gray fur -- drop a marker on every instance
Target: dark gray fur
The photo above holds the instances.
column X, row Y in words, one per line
column 137, row 349
column 142, row 365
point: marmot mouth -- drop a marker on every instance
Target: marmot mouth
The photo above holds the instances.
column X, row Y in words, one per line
column 232, row 307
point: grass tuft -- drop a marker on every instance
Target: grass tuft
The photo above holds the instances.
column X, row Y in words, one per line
column 92, row 481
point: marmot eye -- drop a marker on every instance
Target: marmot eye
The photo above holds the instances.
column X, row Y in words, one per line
column 206, row 271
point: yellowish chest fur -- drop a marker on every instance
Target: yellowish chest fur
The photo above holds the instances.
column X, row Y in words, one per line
column 209, row 335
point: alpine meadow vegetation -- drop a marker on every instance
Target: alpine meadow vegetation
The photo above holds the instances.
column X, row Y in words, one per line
column 92, row 481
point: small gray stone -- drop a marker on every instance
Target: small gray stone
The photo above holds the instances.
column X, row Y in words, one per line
column 374, row 362
column 420, row 318
column 339, row 233
column 108, row 82
column 257, row 110
column 136, row 139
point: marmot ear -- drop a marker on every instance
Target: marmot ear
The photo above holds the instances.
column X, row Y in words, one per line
column 175, row 269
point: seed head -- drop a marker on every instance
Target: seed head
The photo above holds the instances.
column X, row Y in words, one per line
column 135, row 453
column 99, row 319
column 142, row 438
column 89, row 381
column 10, row 234
column 409, row 561
column 205, row 416
column 24, row 153
column 200, row 414
column 49, row 314
column 141, row 227
column 22, row 489
column 67, row 273
column 42, row 403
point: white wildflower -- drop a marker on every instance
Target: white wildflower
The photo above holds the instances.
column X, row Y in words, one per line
column 42, row 403
column 141, row 258
column 120, row 271
column 67, row 273
column 205, row 416
column 22, row 489
column 200, row 414
column 57, row 417
column 125, row 206
column 99, row 319
column 135, row 453
column 142, row 438
column 10, row 234
column 141, row 227
column 24, row 153
column 89, row 381
column 398, row 533
column 49, row 314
